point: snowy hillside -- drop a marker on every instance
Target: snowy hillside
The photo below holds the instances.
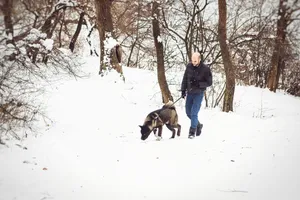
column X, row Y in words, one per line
column 92, row 150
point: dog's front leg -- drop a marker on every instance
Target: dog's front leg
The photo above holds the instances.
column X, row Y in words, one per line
column 154, row 131
column 159, row 133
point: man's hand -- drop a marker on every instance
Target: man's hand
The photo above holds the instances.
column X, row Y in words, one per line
column 183, row 94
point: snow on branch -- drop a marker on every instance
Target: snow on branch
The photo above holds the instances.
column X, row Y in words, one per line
column 159, row 39
column 88, row 37
column 62, row 4
column 112, row 55
column 49, row 25
column 109, row 44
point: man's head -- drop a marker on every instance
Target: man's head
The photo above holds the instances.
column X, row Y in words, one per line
column 196, row 58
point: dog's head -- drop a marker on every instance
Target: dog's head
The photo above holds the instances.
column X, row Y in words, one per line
column 145, row 131
column 150, row 123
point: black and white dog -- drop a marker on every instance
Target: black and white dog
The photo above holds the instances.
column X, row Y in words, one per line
column 167, row 115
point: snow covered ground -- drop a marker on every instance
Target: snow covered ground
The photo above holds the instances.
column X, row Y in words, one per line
column 92, row 150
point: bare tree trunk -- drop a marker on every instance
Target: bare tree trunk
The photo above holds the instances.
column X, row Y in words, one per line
column 76, row 34
column 228, row 66
column 6, row 8
column 61, row 29
column 49, row 26
column 277, row 55
column 136, row 36
column 166, row 94
column 88, row 37
column 131, row 51
column 106, row 32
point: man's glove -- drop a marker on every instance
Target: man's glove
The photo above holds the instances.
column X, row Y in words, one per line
column 183, row 94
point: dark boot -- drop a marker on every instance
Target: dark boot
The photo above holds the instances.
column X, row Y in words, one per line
column 199, row 129
column 192, row 132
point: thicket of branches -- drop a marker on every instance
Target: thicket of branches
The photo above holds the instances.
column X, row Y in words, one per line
column 191, row 25
column 33, row 37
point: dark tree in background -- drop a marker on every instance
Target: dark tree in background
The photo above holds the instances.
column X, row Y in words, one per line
column 228, row 66
column 279, row 53
column 166, row 94
column 110, row 57
column 6, row 7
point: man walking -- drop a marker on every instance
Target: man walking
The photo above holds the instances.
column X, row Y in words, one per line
column 197, row 77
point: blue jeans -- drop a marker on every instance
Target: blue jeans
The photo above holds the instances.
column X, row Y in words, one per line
column 192, row 107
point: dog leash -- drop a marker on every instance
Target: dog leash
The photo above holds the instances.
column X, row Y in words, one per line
column 180, row 97
column 175, row 101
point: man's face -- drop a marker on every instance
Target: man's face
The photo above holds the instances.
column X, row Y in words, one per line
column 195, row 60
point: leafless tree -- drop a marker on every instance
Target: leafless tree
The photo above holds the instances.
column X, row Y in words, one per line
column 285, row 12
column 166, row 94
column 226, row 56
column 110, row 57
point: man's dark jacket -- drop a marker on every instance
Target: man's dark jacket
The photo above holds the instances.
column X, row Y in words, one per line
column 196, row 79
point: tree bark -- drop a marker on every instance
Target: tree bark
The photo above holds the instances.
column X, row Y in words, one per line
column 48, row 25
column 228, row 66
column 277, row 56
column 166, row 94
column 76, row 34
column 6, row 8
column 106, row 31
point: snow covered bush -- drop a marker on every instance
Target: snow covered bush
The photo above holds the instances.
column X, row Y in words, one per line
column 30, row 58
column 26, row 69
